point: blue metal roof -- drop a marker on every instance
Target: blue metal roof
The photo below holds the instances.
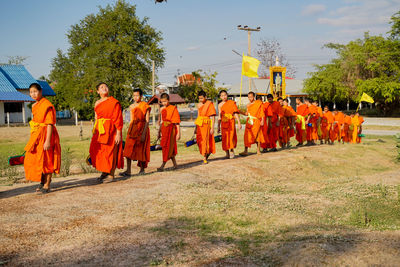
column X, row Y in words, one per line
column 47, row 90
column 9, row 93
column 19, row 77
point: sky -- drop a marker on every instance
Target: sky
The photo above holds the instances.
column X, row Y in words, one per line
column 201, row 34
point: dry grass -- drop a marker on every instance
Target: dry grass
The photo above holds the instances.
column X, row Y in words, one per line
column 324, row 205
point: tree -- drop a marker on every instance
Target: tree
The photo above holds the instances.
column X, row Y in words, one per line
column 370, row 65
column 16, row 60
column 113, row 46
column 207, row 83
column 267, row 51
column 395, row 30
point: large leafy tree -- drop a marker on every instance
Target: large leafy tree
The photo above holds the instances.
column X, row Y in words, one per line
column 370, row 65
column 112, row 46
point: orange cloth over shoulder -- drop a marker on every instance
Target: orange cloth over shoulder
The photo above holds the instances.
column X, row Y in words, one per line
column 37, row 161
column 228, row 129
column 312, row 131
column 327, row 127
column 135, row 149
column 102, row 146
column 204, row 139
column 170, row 118
column 253, row 132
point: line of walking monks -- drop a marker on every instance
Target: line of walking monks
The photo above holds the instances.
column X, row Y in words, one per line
column 267, row 124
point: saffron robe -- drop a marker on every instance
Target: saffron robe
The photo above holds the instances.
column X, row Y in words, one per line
column 37, row 161
column 205, row 140
column 253, row 132
column 228, row 129
column 170, row 118
column 135, row 149
column 102, row 146
column 301, row 134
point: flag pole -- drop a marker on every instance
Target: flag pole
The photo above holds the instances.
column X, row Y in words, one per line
column 241, row 84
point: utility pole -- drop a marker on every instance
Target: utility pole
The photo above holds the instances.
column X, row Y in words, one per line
column 153, row 90
column 249, row 30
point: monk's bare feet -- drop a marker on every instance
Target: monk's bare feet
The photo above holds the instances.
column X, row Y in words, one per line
column 108, row 179
column 161, row 169
column 175, row 167
column 244, row 154
column 39, row 188
column 227, row 156
column 205, row 161
column 208, row 155
column 141, row 172
column 125, row 174
column 232, row 155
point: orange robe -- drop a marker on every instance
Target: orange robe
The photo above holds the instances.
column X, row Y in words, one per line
column 253, row 132
column 37, row 161
column 292, row 115
column 105, row 154
column 301, row 135
column 273, row 130
column 170, row 118
column 312, row 131
column 267, row 115
column 228, row 129
column 347, row 129
column 319, row 128
column 204, row 139
column 361, row 121
column 355, row 122
column 327, row 122
column 339, row 119
column 135, row 149
column 283, row 126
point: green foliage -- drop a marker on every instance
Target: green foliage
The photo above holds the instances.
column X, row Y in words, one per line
column 370, row 65
column 112, row 46
column 395, row 30
column 208, row 84
column 66, row 161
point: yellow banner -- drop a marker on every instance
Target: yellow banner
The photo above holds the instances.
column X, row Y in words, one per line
column 250, row 66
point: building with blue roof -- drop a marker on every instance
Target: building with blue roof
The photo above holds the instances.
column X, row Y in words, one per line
column 14, row 93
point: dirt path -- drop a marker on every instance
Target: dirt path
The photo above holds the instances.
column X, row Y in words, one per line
column 248, row 211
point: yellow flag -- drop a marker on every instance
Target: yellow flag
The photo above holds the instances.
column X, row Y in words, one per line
column 250, row 66
column 366, row 98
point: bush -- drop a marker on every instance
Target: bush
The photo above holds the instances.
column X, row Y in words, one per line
column 66, row 162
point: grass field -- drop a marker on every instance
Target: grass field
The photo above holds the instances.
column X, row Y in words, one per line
column 323, row 205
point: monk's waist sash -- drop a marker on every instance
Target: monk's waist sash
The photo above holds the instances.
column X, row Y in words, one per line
column 250, row 119
column 166, row 123
column 301, row 119
column 227, row 117
column 202, row 120
column 36, row 125
column 99, row 125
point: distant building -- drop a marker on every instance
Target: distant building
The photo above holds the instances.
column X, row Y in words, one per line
column 260, row 86
column 14, row 93
column 166, row 88
column 188, row 79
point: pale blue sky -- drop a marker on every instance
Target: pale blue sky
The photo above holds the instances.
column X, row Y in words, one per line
column 194, row 30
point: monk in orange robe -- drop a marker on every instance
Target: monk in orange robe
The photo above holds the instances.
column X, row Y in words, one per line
column 283, row 136
column 347, row 129
column 339, row 124
column 255, row 120
column 137, row 144
column 302, row 113
column 327, row 126
column 106, row 144
column 311, row 122
column 273, row 123
column 291, row 118
column 204, row 129
column 265, row 128
column 43, row 151
column 361, row 121
column 228, row 112
column 355, row 125
column 169, row 131
column 319, row 118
